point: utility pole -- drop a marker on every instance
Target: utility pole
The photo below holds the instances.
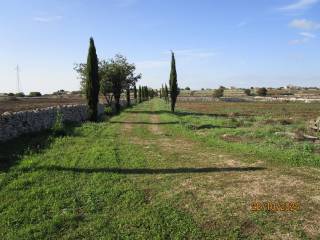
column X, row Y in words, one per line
column 18, row 78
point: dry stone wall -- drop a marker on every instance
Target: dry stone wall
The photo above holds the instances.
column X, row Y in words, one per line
column 13, row 124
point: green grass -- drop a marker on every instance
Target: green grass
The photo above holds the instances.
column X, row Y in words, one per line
column 134, row 176
column 259, row 140
column 70, row 189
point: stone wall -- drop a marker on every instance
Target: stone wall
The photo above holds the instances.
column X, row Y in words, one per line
column 13, row 124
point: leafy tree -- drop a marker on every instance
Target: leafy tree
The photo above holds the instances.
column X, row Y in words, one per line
column 59, row 92
column 187, row 88
column 116, row 75
column 218, row 93
column 35, row 94
column 174, row 92
column 92, row 85
column 20, row 94
column 262, row 92
column 247, row 92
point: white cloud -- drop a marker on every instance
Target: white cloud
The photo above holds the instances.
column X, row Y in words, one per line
column 307, row 35
column 304, row 24
column 242, row 24
column 299, row 5
column 46, row 19
column 298, row 41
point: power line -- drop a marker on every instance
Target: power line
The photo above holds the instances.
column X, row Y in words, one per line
column 18, row 79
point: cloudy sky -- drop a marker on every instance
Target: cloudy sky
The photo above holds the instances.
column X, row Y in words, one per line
column 217, row 42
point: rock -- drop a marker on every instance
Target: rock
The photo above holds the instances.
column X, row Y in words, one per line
column 15, row 124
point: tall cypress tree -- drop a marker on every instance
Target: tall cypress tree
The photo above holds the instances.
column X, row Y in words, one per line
column 143, row 93
column 92, row 84
column 162, row 91
column 166, row 93
column 128, row 96
column 173, row 83
column 140, row 94
column 135, row 93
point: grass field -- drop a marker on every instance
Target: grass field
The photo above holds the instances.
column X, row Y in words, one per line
column 148, row 173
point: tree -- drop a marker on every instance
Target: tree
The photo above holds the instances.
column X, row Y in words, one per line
column 166, row 93
column 262, row 92
column 92, row 85
column 116, row 75
column 247, row 92
column 162, row 92
column 20, row 94
column 146, row 92
column 218, row 93
column 140, row 94
column 187, row 88
column 174, row 92
column 135, row 92
column 35, row 94
column 128, row 97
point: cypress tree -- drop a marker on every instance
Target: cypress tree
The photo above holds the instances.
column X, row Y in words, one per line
column 173, row 83
column 147, row 93
column 144, row 93
column 92, row 83
column 128, row 96
column 166, row 93
column 135, row 93
column 162, row 91
column 140, row 94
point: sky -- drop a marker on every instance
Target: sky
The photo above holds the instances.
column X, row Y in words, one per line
column 239, row 43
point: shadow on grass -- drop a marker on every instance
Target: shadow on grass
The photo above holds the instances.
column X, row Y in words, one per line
column 180, row 113
column 208, row 126
column 13, row 150
column 159, row 123
column 197, row 114
column 144, row 170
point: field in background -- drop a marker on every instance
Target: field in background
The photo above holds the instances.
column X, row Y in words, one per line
column 15, row 104
column 294, row 110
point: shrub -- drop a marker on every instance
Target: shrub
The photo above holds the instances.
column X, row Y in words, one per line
column 59, row 92
column 108, row 110
column 262, row 92
column 247, row 92
column 218, row 93
column 20, row 94
column 58, row 128
column 10, row 94
column 34, row 94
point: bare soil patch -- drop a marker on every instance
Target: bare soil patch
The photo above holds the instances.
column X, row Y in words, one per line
column 23, row 104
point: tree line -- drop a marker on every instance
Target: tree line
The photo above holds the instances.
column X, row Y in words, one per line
column 110, row 78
